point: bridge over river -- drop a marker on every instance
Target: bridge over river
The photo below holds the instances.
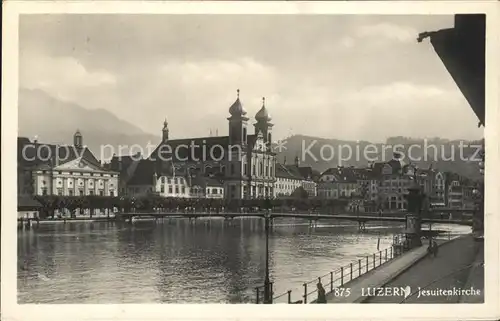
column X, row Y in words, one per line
column 361, row 218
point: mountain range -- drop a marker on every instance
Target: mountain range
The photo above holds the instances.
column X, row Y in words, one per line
column 55, row 121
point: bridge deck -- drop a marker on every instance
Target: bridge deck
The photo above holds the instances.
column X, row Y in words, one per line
column 369, row 216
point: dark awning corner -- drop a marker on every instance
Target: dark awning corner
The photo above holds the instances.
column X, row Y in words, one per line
column 462, row 51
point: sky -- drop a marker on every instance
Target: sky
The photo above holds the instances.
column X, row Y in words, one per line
column 334, row 76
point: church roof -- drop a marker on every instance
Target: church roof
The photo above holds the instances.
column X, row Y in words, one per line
column 121, row 163
column 263, row 114
column 145, row 170
column 306, row 172
column 288, row 172
column 179, row 150
column 208, row 149
column 237, row 109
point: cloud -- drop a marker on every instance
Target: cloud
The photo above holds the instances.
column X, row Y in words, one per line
column 62, row 77
column 399, row 92
column 333, row 76
column 388, row 31
column 379, row 33
column 244, row 71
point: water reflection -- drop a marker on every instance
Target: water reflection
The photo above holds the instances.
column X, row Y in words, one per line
column 176, row 261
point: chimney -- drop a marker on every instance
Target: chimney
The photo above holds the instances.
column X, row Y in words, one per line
column 35, row 139
column 297, row 161
column 217, row 132
column 284, row 160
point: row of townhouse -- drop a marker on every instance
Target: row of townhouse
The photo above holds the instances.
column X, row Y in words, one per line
column 144, row 176
column 73, row 170
column 385, row 185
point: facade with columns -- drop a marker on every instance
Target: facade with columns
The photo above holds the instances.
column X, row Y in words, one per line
column 63, row 170
column 242, row 161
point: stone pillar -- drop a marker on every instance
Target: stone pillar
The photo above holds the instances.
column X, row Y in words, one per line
column 413, row 228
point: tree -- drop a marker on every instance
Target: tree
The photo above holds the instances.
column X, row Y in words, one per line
column 49, row 205
column 299, row 193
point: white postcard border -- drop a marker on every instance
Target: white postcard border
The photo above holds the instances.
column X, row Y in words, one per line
column 13, row 311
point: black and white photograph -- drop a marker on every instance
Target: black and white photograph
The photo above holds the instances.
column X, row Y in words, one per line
column 300, row 158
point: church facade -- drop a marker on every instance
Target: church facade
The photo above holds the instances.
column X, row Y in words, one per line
column 242, row 162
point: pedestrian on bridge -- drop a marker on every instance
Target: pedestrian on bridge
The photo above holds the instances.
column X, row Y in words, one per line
column 321, row 293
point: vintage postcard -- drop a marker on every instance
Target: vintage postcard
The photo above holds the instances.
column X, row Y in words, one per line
column 192, row 160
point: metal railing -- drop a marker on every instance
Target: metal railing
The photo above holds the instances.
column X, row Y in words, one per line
column 335, row 280
column 259, row 293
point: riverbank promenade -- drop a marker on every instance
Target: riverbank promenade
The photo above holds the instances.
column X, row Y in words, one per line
column 377, row 277
column 457, row 266
column 458, row 262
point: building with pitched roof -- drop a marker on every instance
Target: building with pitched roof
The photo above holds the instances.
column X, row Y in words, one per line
column 28, row 207
column 287, row 180
column 207, row 187
column 243, row 162
column 338, row 182
column 433, row 182
column 396, row 178
column 289, row 177
column 64, row 170
column 458, row 191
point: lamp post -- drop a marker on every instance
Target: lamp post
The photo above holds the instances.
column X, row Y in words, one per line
column 267, row 282
column 268, row 292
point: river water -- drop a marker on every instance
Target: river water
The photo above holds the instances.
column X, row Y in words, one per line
column 209, row 261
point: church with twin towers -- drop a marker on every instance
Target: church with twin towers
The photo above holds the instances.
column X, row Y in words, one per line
column 242, row 161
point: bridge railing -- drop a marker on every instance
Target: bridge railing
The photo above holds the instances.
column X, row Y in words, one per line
column 221, row 210
column 334, row 281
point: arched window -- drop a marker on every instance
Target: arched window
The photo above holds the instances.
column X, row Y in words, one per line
column 269, row 138
column 244, row 139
